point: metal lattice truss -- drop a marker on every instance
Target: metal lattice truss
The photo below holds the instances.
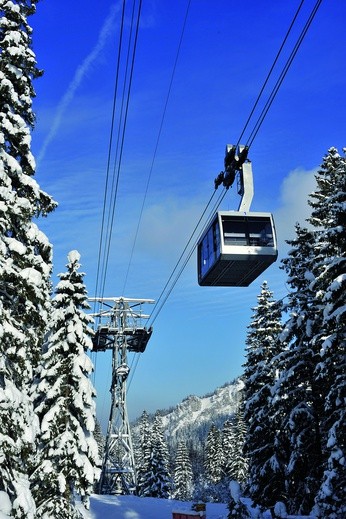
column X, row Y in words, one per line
column 120, row 329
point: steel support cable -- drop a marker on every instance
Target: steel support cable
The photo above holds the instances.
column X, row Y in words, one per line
column 96, row 305
column 152, row 319
column 112, row 209
column 114, row 196
column 182, row 268
column 110, row 145
column 243, row 131
column 115, row 178
column 250, row 140
column 133, row 368
column 181, row 255
column 282, row 76
column 156, row 311
column 117, row 161
column 270, row 71
column 157, row 144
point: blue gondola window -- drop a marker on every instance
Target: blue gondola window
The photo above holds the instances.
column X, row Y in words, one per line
column 210, row 248
column 255, row 232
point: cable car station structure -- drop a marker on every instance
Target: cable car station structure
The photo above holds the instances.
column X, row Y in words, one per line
column 236, row 246
column 121, row 330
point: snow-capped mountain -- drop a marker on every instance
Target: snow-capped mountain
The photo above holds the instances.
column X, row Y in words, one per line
column 192, row 418
column 195, row 411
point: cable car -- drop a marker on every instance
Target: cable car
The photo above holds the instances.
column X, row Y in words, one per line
column 236, row 248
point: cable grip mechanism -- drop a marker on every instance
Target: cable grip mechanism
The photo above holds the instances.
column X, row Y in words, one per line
column 233, row 162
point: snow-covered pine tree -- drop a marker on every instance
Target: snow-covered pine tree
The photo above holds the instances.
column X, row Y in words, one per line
column 143, row 453
column 237, row 509
column 233, row 438
column 242, row 461
column 266, row 470
column 183, row 476
column 160, row 460
column 64, row 398
column 147, row 480
column 228, row 439
column 214, row 455
column 153, row 473
column 100, row 438
column 297, row 401
column 329, row 219
column 25, row 255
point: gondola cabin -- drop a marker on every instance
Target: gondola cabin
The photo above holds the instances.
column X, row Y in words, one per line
column 236, row 248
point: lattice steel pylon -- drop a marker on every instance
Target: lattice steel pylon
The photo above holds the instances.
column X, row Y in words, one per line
column 120, row 330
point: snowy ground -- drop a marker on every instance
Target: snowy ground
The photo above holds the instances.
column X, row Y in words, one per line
column 132, row 507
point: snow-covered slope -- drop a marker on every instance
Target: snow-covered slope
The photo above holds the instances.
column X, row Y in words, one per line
column 132, row 507
column 196, row 411
column 194, row 415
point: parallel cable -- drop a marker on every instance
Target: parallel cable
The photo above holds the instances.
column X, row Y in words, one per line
column 110, row 145
column 105, row 239
column 249, row 142
column 157, row 144
column 121, row 148
column 167, row 290
column 270, row 72
column 119, row 154
column 282, row 76
column 155, row 312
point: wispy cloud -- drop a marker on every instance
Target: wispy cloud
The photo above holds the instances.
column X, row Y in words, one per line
column 295, row 190
column 79, row 75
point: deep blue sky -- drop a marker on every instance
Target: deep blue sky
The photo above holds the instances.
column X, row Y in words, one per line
column 227, row 50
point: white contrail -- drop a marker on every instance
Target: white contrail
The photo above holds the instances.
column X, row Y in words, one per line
column 76, row 81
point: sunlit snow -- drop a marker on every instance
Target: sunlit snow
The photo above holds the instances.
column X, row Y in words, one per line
column 132, row 507
column 73, row 256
